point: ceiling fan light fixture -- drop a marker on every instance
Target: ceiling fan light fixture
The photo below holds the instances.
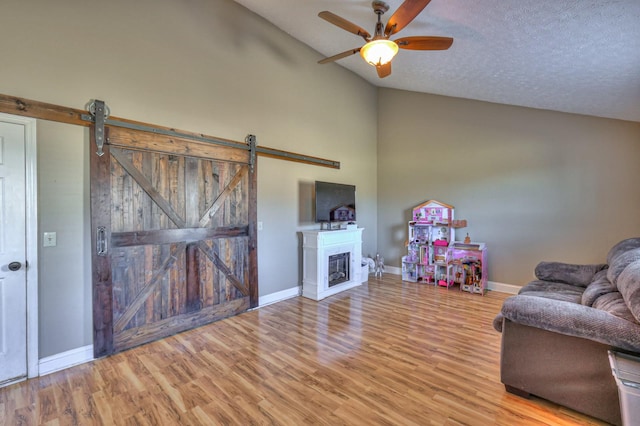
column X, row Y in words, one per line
column 379, row 52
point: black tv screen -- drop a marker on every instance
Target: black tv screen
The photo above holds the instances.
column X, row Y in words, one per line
column 335, row 202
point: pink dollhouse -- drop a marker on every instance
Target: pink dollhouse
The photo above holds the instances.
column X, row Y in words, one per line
column 433, row 212
column 435, row 257
column 430, row 233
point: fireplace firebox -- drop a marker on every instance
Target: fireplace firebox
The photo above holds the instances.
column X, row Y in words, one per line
column 339, row 268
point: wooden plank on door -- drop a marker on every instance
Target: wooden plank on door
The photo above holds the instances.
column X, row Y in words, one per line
column 101, row 264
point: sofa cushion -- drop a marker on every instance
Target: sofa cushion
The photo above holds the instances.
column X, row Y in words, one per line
column 629, row 286
column 580, row 275
column 620, row 262
column 614, row 304
column 621, row 247
column 553, row 290
column 599, row 286
column 572, row 319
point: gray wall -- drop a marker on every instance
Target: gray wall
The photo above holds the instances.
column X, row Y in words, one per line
column 64, row 290
column 534, row 185
column 206, row 66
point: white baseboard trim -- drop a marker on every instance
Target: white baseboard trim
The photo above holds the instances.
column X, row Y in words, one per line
column 392, row 270
column 66, row 359
column 491, row 285
column 503, row 288
column 279, row 296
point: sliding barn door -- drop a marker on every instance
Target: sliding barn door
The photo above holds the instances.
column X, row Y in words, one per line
column 174, row 242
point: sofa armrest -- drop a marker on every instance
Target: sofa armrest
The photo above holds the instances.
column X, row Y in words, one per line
column 498, row 322
column 580, row 275
column 572, row 319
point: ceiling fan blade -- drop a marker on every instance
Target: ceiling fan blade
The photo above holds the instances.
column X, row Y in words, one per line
column 424, row 43
column 344, row 24
column 403, row 15
column 384, row 70
column 339, row 56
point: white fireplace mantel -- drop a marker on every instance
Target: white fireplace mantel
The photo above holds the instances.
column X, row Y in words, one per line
column 317, row 246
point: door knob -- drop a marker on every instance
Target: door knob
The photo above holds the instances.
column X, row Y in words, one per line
column 15, row 266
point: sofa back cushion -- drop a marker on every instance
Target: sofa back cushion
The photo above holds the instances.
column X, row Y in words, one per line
column 622, row 247
column 629, row 286
column 619, row 262
column 614, row 304
column 577, row 275
column 599, row 286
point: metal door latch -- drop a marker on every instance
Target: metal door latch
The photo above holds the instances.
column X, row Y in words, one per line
column 101, row 241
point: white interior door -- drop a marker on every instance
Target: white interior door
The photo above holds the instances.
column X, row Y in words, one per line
column 13, row 253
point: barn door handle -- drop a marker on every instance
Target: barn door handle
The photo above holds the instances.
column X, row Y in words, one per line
column 101, row 241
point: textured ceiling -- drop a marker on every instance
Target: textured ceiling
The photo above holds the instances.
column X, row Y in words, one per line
column 579, row 56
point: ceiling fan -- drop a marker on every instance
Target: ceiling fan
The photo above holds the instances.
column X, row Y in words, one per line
column 379, row 50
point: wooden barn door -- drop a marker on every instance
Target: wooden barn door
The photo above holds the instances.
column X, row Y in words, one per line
column 174, row 241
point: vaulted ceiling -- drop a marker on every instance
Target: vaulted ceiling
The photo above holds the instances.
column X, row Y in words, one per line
column 578, row 56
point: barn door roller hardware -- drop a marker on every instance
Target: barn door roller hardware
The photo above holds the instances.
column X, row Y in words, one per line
column 100, row 112
column 251, row 141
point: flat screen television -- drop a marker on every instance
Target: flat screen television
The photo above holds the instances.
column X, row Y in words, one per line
column 335, row 202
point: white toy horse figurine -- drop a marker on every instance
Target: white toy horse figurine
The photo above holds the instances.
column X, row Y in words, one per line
column 379, row 268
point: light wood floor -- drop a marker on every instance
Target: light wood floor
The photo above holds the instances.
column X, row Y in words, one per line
column 385, row 353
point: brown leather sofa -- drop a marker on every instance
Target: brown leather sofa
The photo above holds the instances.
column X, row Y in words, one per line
column 556, row 332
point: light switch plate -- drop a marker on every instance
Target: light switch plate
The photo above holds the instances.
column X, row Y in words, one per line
column 49, row 239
